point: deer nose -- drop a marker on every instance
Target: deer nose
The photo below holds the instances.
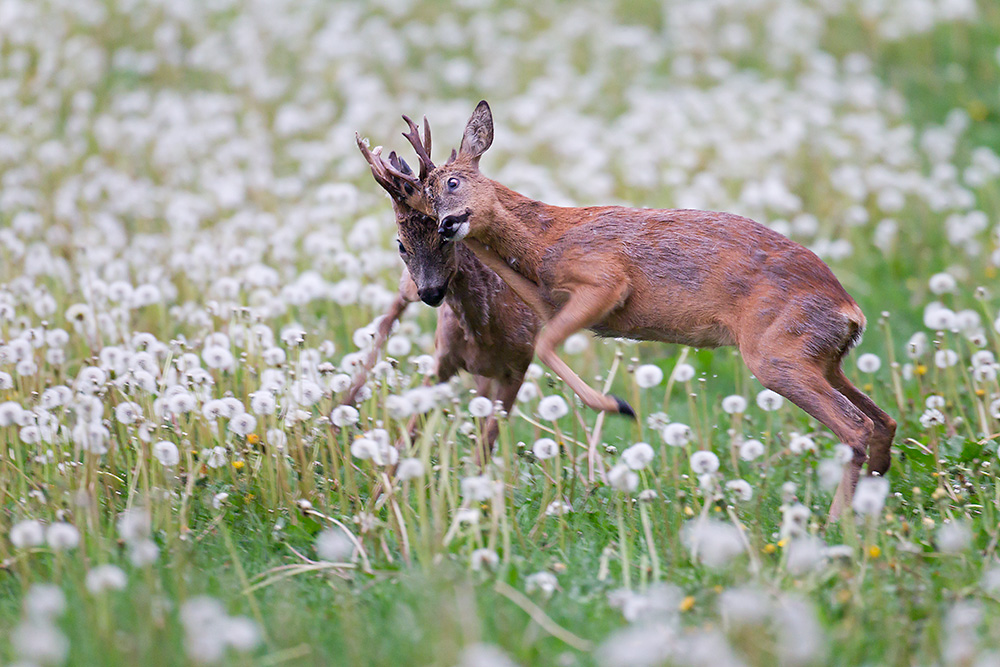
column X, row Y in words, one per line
column 433, row 296
column 450, row 224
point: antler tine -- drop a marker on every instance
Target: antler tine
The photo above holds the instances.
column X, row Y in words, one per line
column 374, row 160
column 398, row 173
column 423, row 151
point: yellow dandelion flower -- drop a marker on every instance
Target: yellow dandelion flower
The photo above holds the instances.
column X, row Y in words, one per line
column 770, row 548
column 874, row 551
column 687, row 603
column 238, row 465
column 253, row 438
column 921, row 369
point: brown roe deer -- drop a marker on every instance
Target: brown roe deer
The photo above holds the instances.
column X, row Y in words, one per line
column 483, row 327
column 697, row 278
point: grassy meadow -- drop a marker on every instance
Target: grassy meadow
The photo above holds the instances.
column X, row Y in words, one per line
column 193, row 258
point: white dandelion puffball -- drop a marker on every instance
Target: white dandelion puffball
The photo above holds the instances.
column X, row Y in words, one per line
column 648, row 375
column 62, row 536
column 410, row 469
column 623, row 478
column 683, row 372
column 714, row 543
column 542, row 582
column 545, row 448
column 799, row 444
column 527, row 393
column 27, row 533
column 751, row 450
column 869, row 363
column 481, row 407
column 741, row 489
column 552, row 408
column 105, row 578
column 932, row 417
column 399, row 407
column 945, row 358
column 769, row 401
column 478, row 488
column 869, row 496
column 344, row 415
column 734, row 404
column 704, row 463
column 934, row 401
column 334, row 545
column 638, row 456
column 484, row 559
column 953, row 537
column 576, row 343
column 243, row 424
column 166, row 453
column 676, row 434
column 942, row 283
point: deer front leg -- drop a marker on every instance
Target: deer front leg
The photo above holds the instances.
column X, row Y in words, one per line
column 587, row 305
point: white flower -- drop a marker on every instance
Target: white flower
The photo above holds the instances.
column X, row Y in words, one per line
column 714, row 543
column 648, row 375
column 576, row 343
column 934, row 401
column 409, row 469
column 528, row 392
column 751, row 450
column 552, row 408
column 534, row 372
column 869, row 363
column 638, row 456
column 334, row 545
column 398, row 407
column 769, row 401
column 340, row 382
column 27, row 533
column 543, row 582
column 932, row 417
column 945, row 358
column 484, row 558
column 545, row 448
column 243, row 424
column 942, row 283
column 799, row 444
column 704, row 463
column 425, row 363
column 676, row 434
column 398, row 346
column 480, row 406
column 344, row 415
column 128, row 412
column 683, row 372
column 478, row 488
column 741, row 489
column 62, row 536
column 166, row 453
column 734, row 404
column 364, row 448
column 105, row 578
column 917, row 346
column 623, row 478
column 215, row 457
column 869, row 497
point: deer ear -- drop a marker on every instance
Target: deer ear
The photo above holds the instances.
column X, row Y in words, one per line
column 478, row 133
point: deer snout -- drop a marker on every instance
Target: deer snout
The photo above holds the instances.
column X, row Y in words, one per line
column 455, row 226
column 433, row 296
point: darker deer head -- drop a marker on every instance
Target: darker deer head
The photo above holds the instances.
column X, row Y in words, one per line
column 460, row 195
column 429, row 258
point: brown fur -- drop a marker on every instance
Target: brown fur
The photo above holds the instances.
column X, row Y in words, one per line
column 699, row 278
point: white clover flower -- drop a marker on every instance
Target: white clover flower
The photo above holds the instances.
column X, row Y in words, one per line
column 869, row 363
column 683, row 372
column 638, row 456
column 769, row 401
column 166, row 453
column 478, row 488
column 409, row 469
column 704, row 463
column 541, row 582
column 105, row 578
column 648, row 375
column 333, row 544
column 676, row 434
column 62, row 536
column 623, row 478
column 870, row 494
column 552, row 408
column 484, row 559
column 481, row 407
column 751, row 450
column 344, row 415
column 243, row 424
column 545, row 448
column 734, row 404
column 741, row 489
column 577, row 343
column 800, row 444
column 932, row 417
column 27, row 533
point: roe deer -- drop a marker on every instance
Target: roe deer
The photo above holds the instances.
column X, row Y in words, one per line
column 698, row 278
column 483, row 327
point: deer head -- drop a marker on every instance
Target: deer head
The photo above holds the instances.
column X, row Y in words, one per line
column 430, row 259
column 461, row 196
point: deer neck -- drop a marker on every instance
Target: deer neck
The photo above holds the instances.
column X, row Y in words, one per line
column 471, row 291
column 515, row 230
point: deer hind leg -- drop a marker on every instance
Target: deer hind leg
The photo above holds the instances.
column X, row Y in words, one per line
column 879, row 448
column 803, row 382
column 587, row 305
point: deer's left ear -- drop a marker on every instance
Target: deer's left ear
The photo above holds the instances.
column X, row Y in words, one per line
column 478, row 133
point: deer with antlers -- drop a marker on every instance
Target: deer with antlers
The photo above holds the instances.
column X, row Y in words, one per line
column 697, row 278
column 483, row 327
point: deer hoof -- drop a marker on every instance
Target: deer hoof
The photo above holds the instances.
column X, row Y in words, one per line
column 623, row 407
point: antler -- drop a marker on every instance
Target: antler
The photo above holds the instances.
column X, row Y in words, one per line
column 423, row 149
column 383, row 170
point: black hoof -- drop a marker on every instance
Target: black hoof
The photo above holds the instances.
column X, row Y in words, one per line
column 624, row 408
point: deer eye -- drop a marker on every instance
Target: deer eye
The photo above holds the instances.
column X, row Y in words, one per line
column 452, row 183
column 402, row 250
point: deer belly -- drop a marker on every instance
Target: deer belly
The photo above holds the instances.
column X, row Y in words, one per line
column 665, row 325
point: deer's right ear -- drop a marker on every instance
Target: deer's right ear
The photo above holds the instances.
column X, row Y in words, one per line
column 478, row 133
